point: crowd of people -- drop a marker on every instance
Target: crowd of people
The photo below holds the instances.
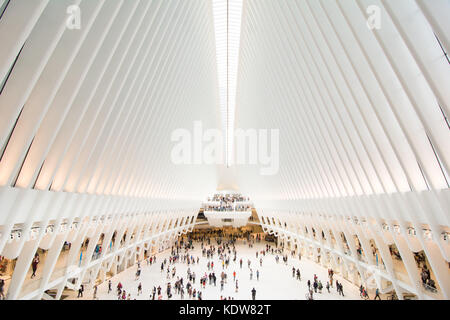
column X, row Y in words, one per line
column 219, row 207
column 228, row 198
column 228, row 207
column 186, row 285
column 216, row 255
column 227, row 203
column 425, row 274
column 182, row 253
column 427, row 282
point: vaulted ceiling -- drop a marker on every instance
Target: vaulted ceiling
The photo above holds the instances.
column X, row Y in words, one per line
column 92, row 110
column 360, row 111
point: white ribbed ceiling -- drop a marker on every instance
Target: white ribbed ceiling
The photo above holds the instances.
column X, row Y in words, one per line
column 87, row 116
column 360, row 111
column 92, row 110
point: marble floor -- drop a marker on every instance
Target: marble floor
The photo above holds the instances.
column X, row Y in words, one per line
column 275, row 280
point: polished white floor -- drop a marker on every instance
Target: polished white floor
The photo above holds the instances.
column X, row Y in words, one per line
column 275, row 281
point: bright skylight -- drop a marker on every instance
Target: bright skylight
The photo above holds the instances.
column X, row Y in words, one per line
column 227, row 23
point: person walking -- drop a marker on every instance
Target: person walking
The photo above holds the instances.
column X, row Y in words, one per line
column 95, row 291
column 253, row 294
column 80, row 291
column 257, row 275
column 377, row 294
column 34, row 265
column 138, row 273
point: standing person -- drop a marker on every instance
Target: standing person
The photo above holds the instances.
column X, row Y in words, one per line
column 139, row 288
column 34, row 265
column 237, row 287
column 253, row 294
column 310, row 297
column 95, row 291
column 109, row 286
column 328, row 287
column 257, row 275
column 2, row 288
